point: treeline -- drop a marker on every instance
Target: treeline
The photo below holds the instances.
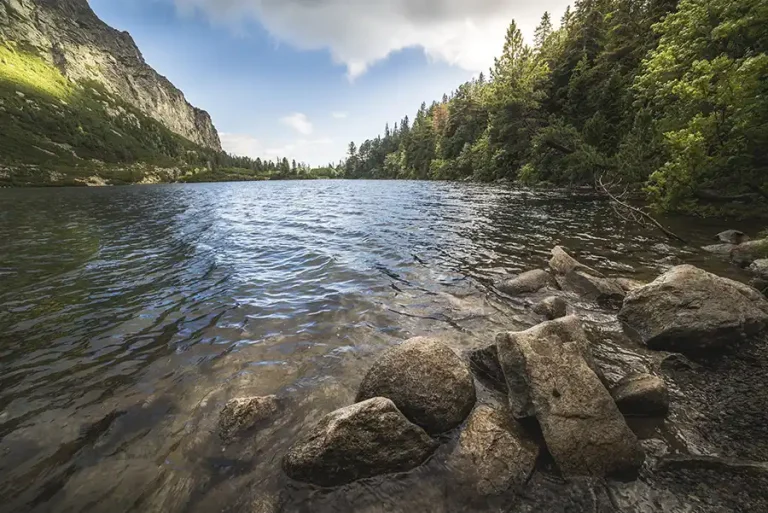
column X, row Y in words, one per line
column 275, row 169
column 667, row 97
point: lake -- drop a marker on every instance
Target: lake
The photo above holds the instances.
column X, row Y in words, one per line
column 128, row 316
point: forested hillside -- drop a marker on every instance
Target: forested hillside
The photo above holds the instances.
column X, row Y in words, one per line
column 667, row 97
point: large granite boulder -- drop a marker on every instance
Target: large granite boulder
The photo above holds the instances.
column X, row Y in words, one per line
column 641, row 394
column 427, row 381
column 363, row 440
column 732, row 237
column 573, row 276
column 549, row 376
column 689, row 310
column 558, row 332
column 552, row 308
column 529, row 281
column 747, row 252
column 493, row 453
column 244, row 413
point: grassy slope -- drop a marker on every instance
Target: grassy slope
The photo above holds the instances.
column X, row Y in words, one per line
column 56, row 132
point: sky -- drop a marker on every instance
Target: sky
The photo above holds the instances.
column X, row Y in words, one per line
column 302, row 78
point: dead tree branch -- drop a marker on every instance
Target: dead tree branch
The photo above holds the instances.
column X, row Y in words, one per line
column 630, row 213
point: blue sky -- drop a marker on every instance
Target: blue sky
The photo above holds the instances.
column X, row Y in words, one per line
column 302, row 78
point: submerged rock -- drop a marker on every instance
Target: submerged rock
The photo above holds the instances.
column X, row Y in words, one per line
column 732, row 237
column 530, row 281
column 689, row 310
column 549, row 377
column 552, row 308
column 493, row 453
column 585, row 281
column 760, row 268
column 241, row 414
column 427, row 381
column 747, row 252
column 363, row 440
column 719, row 249
column 642, row 394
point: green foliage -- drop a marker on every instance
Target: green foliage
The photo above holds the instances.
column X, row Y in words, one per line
column 672, row 99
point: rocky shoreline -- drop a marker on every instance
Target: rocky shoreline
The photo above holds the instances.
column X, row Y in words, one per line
column 661, row 409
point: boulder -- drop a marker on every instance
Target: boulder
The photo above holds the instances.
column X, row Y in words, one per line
column 689, row 310
column 427, row 381
column 732, row 237
column 760, row 268
column 493, row 453
column 484, row 363
column 585, row 281
column 556, row 333
column 642, row 394
column 552, row 308
column 530, row 281
column 244, row 413
column 747, row 252
column 363, row 440
column 548, row 376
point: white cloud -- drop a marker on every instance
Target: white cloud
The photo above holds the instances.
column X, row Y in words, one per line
column 242, row 144
column 312, row 151
column 298, row 122
column 339, row 115
column 359, row 33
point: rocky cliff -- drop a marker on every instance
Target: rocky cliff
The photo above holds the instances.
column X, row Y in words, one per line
column 69, row 35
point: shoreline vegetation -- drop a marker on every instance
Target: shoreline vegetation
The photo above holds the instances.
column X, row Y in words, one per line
column 666, row 99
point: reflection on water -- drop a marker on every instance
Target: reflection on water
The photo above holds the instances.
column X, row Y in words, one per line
column 128, row 316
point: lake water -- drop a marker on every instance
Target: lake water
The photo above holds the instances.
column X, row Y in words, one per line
column 128, row 316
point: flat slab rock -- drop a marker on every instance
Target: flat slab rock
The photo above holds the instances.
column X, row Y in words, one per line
column 427, row 381
column 582, row 426
column 690, row 310
column 493, row 453
column 529, row 281
column 360, row 441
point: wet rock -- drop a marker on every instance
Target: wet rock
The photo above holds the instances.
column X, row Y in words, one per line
column 689, row 310
column 552, row 308
column 628, row 284
column 747, row 252
column 493, row 453
column 732, row 237
column 548, row 376
column 484, row 363
column 427, row 381
column 530, row 281
column 642, row 394
column 244, row 413
column 585, row 281
column 760, row 268
column 719, row 249
column 363, row 440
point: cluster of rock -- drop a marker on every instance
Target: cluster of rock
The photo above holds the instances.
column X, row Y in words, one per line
column 746, row 253
column 419, row 393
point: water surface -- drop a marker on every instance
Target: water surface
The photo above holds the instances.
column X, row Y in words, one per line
column 128, row 316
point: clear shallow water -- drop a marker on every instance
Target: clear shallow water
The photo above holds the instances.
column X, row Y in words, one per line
column 128, row 316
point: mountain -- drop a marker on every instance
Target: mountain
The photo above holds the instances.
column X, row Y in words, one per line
column 69, row 35
column 79, row 105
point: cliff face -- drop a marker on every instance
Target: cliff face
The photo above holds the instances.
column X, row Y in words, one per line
column 69, row 35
